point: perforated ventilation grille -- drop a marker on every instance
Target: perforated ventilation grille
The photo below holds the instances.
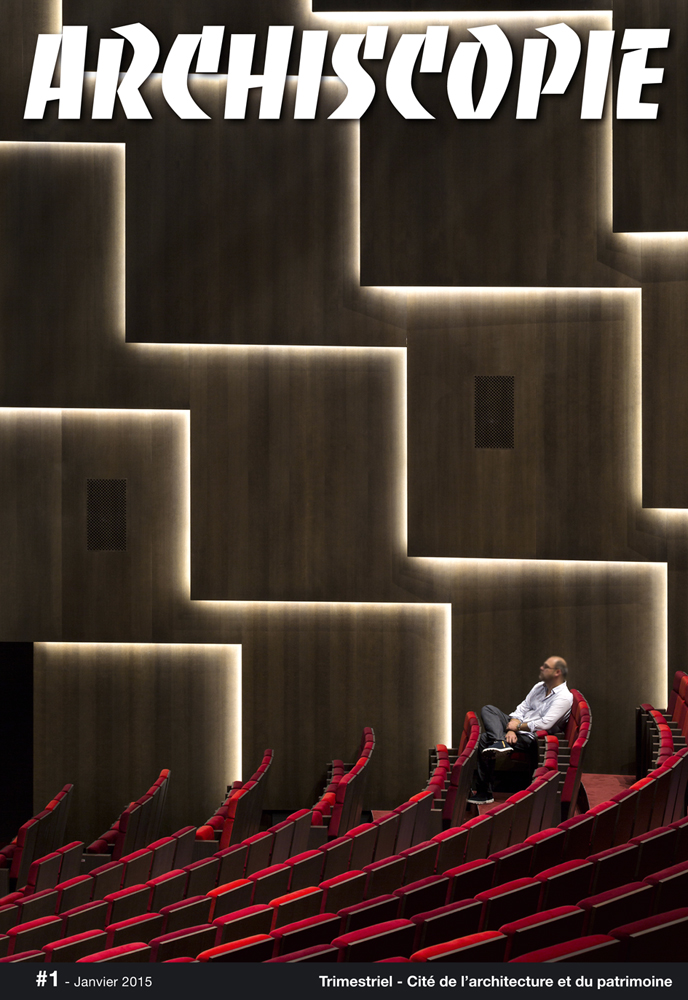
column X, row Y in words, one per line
column 106, row 515
column 494, row 411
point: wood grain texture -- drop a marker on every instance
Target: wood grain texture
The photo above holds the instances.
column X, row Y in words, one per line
column 109, row 718
column 564, row 490
column 605, row 619
column 651, row 156
column 665, row 403
column 295, row 475
column 315, row 676
column 30, row 524
column 112, row 594
column 501, row 202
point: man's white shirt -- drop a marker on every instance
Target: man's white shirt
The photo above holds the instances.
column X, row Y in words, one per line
column 543, row 710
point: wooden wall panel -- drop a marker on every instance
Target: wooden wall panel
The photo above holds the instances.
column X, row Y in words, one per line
column 62, row 284
column 606, row 619
column 30, row 524
column 315, row 675
column 665, row 402
column 564, row 490
column 22, row 23
column 60, row 263
column 112, row 595
column 502, row 202
column 251, row 237
column 296, row 488
column 110, row 717
column 651, row 156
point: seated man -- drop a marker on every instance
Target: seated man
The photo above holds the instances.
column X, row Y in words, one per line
column 547, row 706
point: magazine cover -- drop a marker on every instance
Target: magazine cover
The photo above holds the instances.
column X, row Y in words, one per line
column 344, row 549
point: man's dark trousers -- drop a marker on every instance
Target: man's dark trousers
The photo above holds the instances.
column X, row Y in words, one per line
column 494, row 725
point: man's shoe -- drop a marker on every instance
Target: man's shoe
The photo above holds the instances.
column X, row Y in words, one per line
column 501, row 746
column 480, row 798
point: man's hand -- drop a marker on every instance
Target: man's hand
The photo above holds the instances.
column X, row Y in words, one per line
column 511, row 736
column 512, row 725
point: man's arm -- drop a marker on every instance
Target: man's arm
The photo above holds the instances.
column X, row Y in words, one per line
column 522, row 710
column 556, row 707
column 515, row 722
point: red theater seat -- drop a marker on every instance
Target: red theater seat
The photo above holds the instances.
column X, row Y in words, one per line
column 256, row 948
column 469, row 879
column 670, row 887
column 72, row 948
column 592, row 948
column 138, row 951
column 486, row 946
column 308, row 933
column 447, row 923
column 244, row 923
column 542, row 929
column 371, row 911
column 141, row 928
column 608, row 909
column 509, row 901
column 393, row 937
column 231, row 897
column 185, row 943
column 660, row 938
column 296, row 906
column 318, row 953
column 565, row 884
column 186, row 913
column 426, row 894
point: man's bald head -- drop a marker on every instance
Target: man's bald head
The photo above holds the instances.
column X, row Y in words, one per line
column 554, row 671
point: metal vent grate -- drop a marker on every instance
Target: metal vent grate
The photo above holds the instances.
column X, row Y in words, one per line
column 494, row 411
column 106, row 515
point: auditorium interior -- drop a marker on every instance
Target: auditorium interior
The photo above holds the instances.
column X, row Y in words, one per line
column 317, row 436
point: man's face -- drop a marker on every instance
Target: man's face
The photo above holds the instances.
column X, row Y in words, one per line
column 548, row 671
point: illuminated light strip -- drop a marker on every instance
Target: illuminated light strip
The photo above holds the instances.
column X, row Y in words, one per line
column 540, row 564
column 670, row 235
column 329, row 605
column 448, row 662
column 361, row 17
column 429, row 290
column 233, row 729
column 94, row 411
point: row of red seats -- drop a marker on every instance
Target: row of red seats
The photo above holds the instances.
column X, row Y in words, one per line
column 39, row 835
column 138, row 824
column 239, row 815
column 461, row 775
column 634, row 893
column 573, row 745
column 590, row 836
column 536, row 909
column 368, row 847
column 339, row 809
column 659, row 733
column 381, row 875
column 470, row 840
column 660, row 795
column 258, row 884
column 579, row 896
column 117, row 891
